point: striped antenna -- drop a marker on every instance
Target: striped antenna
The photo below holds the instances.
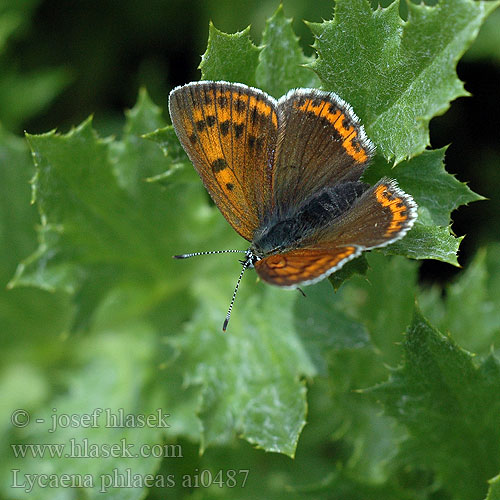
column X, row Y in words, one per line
column 246, row 263
column 195, row 254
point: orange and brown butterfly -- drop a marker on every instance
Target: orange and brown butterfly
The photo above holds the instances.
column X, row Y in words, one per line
column 285, row 174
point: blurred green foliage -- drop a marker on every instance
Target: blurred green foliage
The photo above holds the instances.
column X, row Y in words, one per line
column 97, row 314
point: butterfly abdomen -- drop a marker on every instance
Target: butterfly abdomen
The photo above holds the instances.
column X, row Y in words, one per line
column 285, row 232
column 330, row 203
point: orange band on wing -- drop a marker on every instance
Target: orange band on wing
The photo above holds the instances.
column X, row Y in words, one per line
column 396, row 205
column 323, row 109
column 301, row 265
column 241, row 103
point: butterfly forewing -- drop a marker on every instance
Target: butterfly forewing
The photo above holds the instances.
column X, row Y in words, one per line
column 229, row 132
column 320, row 143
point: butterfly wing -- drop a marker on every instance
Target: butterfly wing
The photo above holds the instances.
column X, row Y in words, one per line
column 304, row 266
column 229, row 132
column 382, row 215
column 320, row 142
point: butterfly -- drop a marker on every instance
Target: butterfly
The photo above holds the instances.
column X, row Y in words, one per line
column 286, row 176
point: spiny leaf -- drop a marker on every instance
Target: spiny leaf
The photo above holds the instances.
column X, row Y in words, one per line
column 425, row 240
column 100, row 221
column 249, row 379
column 31, row 319
column 233, row 58
column 449, row 403
column 177, row 166
column 378, row 63
column 426, row 179
column 16, row 215
column 79, row 198
column 281, row 61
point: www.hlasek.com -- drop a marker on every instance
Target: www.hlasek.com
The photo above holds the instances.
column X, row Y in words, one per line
column 205, row 478
column 86, row 449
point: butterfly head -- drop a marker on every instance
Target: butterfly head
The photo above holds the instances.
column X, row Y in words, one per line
column 251, row 257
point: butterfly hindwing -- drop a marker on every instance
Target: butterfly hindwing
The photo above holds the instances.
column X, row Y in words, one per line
column 320, row 142
column 379, row 216
column 383, row 214
column 229, row 132
column 304, row 266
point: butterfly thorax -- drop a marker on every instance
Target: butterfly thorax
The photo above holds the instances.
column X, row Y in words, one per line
column 286, row 230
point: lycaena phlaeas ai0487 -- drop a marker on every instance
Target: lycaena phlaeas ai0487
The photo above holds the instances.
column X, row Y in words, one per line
column 285, row 174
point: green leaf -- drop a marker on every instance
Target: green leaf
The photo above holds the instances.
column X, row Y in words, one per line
column 469, row 307
column 324, row 327
column 118, row 366
column 494, row 490
column 450, row 404
column 233, row 58
column 170, row 145
column 33, row 321
column 80, row 201
column 176, row 167
column 367, row 440
column 16, row 216
column 281, row 61
column 427, row 180
column 356, row 266
column 134, row 159
column 101, row 222
column 377, row 63
column 425, row 240
column 382, row 301
column 249, row 379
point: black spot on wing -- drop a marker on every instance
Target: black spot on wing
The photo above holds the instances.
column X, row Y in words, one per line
column 238, row 129
column 222, row 100
column 219, row 164
column 224, row 127
column 239, row 105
